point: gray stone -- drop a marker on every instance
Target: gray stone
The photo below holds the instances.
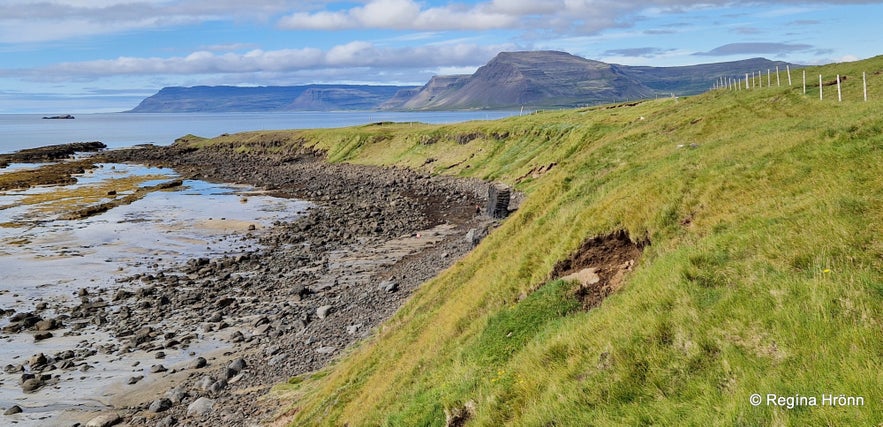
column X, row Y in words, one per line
column 237, row 365
column 176, row 395
column 105, row 420
column 206, row 382
column 389, row 286
column 198, row 363
column 14, row 409
column 326, row 350
column 167, row 422
column 200, row 406
column 160, row 405
column 323, row 311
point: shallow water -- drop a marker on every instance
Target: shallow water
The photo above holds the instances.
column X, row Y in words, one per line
column 44, row 259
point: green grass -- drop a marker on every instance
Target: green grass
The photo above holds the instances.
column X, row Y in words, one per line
column 764, row 272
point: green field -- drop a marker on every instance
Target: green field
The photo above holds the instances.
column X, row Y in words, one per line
column 760, row 216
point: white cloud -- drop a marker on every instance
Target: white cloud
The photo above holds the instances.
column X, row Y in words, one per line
column 345, row 57
column 401, row 15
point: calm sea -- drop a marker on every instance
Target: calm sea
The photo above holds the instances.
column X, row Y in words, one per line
column 18, row 131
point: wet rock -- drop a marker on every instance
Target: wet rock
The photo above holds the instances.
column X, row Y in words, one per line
column 40, row 336
column 38, row 360
column 47, row 325
column 155, row 369
column 32, row 385
column 135, row 379
column 14, row 409
column 105, row 420
column 201, row 406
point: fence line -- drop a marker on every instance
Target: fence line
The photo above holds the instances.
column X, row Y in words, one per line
column 755, row 80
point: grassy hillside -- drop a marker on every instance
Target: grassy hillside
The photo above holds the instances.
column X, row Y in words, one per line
column 760, row 213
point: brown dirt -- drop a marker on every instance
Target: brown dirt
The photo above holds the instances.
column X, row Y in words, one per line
column 608, row 258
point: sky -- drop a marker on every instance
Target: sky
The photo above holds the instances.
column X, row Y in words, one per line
column 64, row 56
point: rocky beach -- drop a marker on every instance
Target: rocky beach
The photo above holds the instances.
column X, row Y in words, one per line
column 206, row 338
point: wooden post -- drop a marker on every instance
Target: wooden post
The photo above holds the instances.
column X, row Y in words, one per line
column 746, row 81
column 788, row 69
column 820, row 87
column 769, row 78
column 778, row 84
column 865, row 84
column 839, row 97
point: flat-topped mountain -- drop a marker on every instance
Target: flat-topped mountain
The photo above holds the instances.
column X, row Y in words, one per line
column 535, row 79
column 267, row 98
column 541, row 78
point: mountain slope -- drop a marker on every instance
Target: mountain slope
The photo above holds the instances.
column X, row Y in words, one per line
column 537, row 78
column 758, row 214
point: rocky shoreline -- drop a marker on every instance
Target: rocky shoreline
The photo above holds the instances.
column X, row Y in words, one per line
column 317, row 285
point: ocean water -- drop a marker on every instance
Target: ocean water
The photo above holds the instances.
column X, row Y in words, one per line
column 19, row 131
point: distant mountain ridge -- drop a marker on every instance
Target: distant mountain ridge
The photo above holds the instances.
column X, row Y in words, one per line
column 536, row 79
column 267, row 98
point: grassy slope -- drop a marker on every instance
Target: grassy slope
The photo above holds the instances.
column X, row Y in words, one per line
column 764, row 273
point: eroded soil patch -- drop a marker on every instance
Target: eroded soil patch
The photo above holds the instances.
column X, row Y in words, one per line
column 599, row 265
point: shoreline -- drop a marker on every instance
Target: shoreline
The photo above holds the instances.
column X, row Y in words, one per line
column 316, row 286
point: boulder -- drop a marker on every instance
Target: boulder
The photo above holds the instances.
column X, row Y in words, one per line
column 201, row 406
column 105, row 420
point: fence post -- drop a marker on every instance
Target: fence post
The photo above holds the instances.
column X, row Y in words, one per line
column 804, row 82
column 777, row 77
column 839, row 97
column 820, row 87
column 746, row 81
column 788, row 69
column 865, row 84
column 769, row 78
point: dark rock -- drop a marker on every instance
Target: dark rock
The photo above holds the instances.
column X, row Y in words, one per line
column 40, row 336
column 237, row 365
column 14, row 409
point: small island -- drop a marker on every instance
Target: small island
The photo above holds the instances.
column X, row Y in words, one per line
column 61, row 117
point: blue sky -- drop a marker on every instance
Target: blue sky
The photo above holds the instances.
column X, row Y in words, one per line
column 59, row 56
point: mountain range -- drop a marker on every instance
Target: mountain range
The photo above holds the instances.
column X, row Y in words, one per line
column 535, row 79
